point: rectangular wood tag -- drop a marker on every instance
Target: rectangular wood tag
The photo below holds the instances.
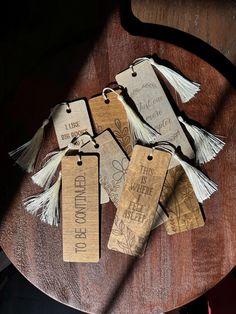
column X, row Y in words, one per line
column 72, row 122
column 179, row 199
column 152, row 103
column 113, row 168
column 111, row 116
column 113, row 164
column 138, row 202
column 80, row 209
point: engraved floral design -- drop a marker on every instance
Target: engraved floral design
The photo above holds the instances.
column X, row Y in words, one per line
column 178, row 197
column 121, row 169
column 128, row 237
column 128, row 241
column 123, row 136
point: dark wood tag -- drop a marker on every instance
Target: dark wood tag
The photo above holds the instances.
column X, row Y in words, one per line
column 138, row 202
column 80, row 209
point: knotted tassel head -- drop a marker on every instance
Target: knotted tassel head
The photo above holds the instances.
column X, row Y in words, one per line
column 207, row 146
column 139, row 129
column 48, row 201
column 184, row 87
column 25, row 156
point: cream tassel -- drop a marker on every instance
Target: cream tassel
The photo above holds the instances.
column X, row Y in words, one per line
column 202, row 186
column 25, row 155
column 45, row 175
column 47, row 200
column 139, row 129
column 207, row 145
column 184, row 87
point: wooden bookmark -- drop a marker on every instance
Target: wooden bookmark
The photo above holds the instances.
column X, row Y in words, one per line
column 179, row 200
column 71, row 120
column 152, row 103
column 138, row 202
column 113, row 164
column 80, row 209
column 113, row 168
column 111, row 116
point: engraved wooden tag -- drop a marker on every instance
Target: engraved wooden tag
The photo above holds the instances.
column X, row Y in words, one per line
column 152, row 103
column 139, row 199
column 179, row 200
column 80, row 209
column 113, row 164
column 113, row 116
column 113, row 168
column 71, row 121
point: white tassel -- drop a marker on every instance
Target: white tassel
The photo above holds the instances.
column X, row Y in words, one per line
column 25, row 155
column 45, row 175
column 140, row 130
column 184, row 87
column 48, row 201
column 202, row 186
column 207, row 145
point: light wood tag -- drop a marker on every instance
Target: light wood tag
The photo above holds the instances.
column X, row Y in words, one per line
column 113, row 164
column 179, row 200
column 80, row 209
column 138, row 202
column 71, row 121
column 152, row 103
column 113, row 116
column 113, row 168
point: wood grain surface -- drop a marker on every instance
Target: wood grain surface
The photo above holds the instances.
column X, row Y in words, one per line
column 138, row 201
column 212, row 21
column 175, row 269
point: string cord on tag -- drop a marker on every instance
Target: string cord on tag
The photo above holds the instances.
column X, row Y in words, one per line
column 184, row 87
column 203, row 187
column 140, row 130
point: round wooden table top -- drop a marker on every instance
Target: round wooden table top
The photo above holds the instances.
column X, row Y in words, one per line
column 175, row 269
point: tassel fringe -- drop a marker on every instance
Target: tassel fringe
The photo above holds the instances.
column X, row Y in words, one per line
column 45, row 175
column 207, row 145
column 25, row 156
column 184, row 87
column 48, row 201
column 202, row 186
column 140, row 130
